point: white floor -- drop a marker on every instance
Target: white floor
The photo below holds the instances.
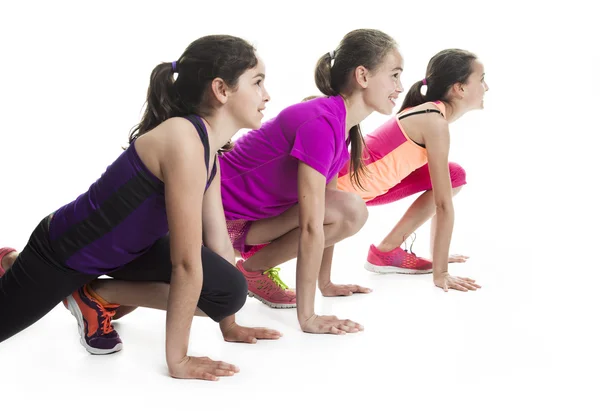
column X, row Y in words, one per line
column 521, row 342
column 526, row 341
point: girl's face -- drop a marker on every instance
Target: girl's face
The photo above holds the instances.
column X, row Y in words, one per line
column 475, row 87
column 384, row 85
column 248, row 101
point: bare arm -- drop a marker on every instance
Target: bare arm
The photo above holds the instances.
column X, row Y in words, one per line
column 213, row 221
column 327, row 259
column 327, row 288
column 215, row 230
column 437, row 140
column 311, row 199
column 217, row 239
column 184, row 175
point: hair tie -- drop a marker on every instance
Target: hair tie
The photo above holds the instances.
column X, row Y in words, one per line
column 174, row 66
column 424, row 81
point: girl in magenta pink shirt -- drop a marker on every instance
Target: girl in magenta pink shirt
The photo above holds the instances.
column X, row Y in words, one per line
column 279, row 183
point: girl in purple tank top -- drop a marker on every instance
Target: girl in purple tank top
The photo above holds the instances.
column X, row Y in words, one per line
column 152, row 219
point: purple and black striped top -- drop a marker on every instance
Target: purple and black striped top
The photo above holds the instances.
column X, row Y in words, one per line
column 120, row 216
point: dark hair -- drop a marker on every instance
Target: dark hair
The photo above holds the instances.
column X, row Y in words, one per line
column 310, row 98
column 363, row 47
column 207, row 58
column 445, row 69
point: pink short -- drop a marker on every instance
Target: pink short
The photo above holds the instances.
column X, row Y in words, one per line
column 417, row 181
column 238, row 230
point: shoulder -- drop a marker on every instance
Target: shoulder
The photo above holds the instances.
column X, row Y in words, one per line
column 175, row 139
column 179, row 128
column 176, row 133
column 431, row 121
column 306, row 111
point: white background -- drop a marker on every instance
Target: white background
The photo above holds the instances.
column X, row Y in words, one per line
column 73, row 80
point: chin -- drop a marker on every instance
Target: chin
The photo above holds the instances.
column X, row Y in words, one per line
column 251, row 124
column 386, row 111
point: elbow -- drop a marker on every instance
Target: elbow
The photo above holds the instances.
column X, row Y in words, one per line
column 444, row 207
column 312, row 230
column 186, row 266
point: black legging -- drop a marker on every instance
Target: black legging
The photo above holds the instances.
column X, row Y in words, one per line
column 36, row 282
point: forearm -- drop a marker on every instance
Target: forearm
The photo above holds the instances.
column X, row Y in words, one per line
column 226, row 251
column 310, row 254
column 184, row 294
column 325, row 271
column 222, row 247
column 443, row 236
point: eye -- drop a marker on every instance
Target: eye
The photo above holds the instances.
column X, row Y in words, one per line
column 259, row 82
column 396, row 75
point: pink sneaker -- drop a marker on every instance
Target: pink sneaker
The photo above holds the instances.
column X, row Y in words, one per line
column 268, row 287
column 396, row 261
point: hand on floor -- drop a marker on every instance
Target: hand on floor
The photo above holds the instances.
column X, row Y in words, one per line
column 458, row 258
column 237, row 333
column 334, row 290
column 202, row 368
column 445, row 281
column 329, row 324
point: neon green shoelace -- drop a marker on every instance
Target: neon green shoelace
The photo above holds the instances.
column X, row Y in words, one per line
column 273, row 274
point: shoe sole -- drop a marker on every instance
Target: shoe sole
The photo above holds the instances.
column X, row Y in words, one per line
column 74, row 309
column 390, row 269
column 269, row 303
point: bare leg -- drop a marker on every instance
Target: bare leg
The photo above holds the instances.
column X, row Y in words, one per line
column 417, row 214
column 122, row 311
column 135, row 294
column 345, row 214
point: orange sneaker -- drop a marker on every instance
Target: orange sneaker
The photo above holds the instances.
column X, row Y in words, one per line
column 94, row 320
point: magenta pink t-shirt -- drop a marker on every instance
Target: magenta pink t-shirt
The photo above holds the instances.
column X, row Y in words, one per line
column 259, row 177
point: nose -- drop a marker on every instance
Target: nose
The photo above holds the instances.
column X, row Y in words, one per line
column 266, row 96
column 399, row 87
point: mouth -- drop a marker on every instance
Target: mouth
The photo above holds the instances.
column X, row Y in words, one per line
column 393, row 100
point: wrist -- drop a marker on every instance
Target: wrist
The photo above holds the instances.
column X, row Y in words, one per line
column 304, row 317
column 227, row 323
column 173, row 361
column 439, row 274
column 324, row 284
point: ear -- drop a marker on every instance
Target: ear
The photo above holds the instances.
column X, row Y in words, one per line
column 361, row 75
column 459, row 90
column 220, row 90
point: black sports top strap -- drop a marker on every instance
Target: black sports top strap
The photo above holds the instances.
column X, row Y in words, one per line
column 429, row 110
column 213, row 173
column 201, row 129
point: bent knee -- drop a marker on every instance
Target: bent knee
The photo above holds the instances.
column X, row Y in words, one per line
column 353, row 212
column 239, row 291
column 458, row 175
column 236, row 292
